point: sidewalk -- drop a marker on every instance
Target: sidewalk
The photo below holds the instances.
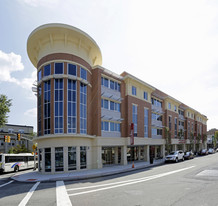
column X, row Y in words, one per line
column 85, row 174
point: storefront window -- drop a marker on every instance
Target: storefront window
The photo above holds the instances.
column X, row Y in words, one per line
column 83, row 158
column 71, row 158
column 47, row 159
column 59, row 159
column 40, row 160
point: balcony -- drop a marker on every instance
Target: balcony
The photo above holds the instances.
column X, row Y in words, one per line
column 181, row 128
column 181, row 117
column 157, row 109
column 156, row 123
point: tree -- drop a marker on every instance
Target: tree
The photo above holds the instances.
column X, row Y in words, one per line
column 18, row 149
column 167, row 139
column 181, row 134
column 191, row 138
column 5, row 105
column 215, row 139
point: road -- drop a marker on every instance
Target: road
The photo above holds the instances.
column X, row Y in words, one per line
column 192, row 182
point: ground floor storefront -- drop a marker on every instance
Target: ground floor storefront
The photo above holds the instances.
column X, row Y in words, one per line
column 68, row 154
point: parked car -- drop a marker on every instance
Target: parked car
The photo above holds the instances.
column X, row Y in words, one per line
column 203, row 152
column 175, row 156
column 189, row 155
column 211, row 151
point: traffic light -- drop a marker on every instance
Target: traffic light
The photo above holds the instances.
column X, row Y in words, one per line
column 9, row 139
column 5, row 138
column 18, row 136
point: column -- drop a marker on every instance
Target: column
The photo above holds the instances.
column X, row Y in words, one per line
column 99, row 157
column 123, row 155
column 65, row 149
column 163, row 151
column 116, row 155
column 145, row 153
column 43, row 160
column 78, row 158
column 52, row 160
column 148, row 152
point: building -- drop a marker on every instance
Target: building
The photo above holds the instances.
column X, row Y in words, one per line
column 26, row 136
column 210, row 138
column 85, row 111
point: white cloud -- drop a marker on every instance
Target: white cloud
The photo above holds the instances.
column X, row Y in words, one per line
column 40, row 3
column 9, row 63
column 31, row 112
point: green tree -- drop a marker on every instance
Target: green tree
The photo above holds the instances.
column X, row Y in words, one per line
column 215, row 139
column 191, row 138
column 18, row 149
column 181, row 134
column 5, row 105
column 167, row 135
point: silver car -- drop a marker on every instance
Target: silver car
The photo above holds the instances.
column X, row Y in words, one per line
column 175, row 156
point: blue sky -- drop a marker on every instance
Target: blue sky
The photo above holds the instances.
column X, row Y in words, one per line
column 172, row 45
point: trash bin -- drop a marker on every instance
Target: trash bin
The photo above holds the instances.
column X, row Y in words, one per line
column 151, row 160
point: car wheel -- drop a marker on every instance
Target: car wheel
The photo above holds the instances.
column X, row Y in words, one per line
column 177, row 160
column 16, row 169
column 183, row 159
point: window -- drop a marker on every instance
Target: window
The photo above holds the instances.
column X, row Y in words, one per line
column 156, row 102
column 175, row 126
column 104, row 104
column 39, row 75
column 145, row 122
column 39, row 111
column 71, row 158
column 47, row 111
column 47, row 70
column 59, row 159
column 72, row 69
column 133, row 90
column 112, row 86
column 156, row 131
column 111, row 126
column 83, row 108
column 47, row 159
column 170, row 126
column 59, row 110
column 59, row 68
column 71, row 106
column 104, row 81
column 134, row 119
column 175, row 108
column 83, row 73
column 111, row 105
column 104, row 126
column 82, row 157
column 169, row 105
column 145, row 95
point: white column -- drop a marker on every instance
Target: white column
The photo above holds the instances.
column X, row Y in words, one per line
column 148, row 153
column 124, row 155
column 43, row 160
column 163, row 150
column 99, row 157
column 145, row 153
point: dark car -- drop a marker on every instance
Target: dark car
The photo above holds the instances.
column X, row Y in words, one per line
column 203, row 152
column 189, row 155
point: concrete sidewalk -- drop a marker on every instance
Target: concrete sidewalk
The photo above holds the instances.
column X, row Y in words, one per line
column 85, row 174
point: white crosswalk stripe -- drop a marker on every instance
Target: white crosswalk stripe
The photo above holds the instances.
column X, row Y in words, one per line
column 61, row 195
column 29, row 194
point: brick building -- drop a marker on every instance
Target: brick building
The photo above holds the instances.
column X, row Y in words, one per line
column 85, row 111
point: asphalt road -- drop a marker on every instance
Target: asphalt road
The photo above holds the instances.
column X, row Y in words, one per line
column 192, row 182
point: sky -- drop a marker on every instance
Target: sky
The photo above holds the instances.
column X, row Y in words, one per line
column 170, row 44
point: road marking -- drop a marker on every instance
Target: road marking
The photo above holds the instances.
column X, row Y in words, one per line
column 131, row 182
column 61, row 195
column 7, row 183
column 29, row 194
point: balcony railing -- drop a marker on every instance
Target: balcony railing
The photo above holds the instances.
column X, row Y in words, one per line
column 157, row 109
column 156, row 123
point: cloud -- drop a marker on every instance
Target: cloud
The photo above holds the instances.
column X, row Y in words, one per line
column 40, row 3
column 9, row 63
column 31, row 112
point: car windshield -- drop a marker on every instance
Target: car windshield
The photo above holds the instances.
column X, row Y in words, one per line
column 173, row 153
column 187, row 153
